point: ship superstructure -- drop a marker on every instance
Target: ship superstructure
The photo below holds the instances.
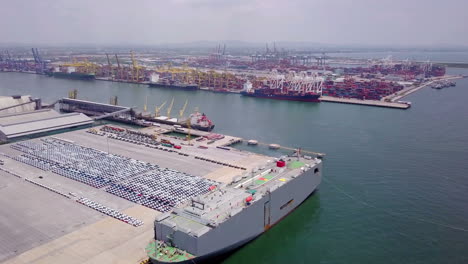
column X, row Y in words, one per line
column 200, row 121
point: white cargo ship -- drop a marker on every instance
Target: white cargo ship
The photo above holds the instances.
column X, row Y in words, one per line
column 231, row 215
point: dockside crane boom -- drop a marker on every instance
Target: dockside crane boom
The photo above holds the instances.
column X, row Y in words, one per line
column 34, row 55
column 158, row 109
column 169, row 109
column 117, row 59
column 39, row 58
column 181, row 112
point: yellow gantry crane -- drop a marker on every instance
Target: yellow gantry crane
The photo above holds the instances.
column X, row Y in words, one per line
column 181, row 112
column 135, row 69
column 158, row 109
column 169, row 109
column 82, row 66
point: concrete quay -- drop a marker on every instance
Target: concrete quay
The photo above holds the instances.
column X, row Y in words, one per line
column 407, row 91
column 375, row 103
column 390, row 101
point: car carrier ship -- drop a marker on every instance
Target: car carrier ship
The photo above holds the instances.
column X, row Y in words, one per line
column 292, row 87
column 212, row 225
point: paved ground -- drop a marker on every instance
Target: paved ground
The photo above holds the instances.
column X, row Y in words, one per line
column 363, row 102
column 105, row 241
column 31, row 216
column 40, row 226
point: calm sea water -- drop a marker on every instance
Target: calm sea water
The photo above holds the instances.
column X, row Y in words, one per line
column 395, row 182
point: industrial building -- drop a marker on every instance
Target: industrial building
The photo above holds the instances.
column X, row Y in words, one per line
column 22, row 116
column 13, row 126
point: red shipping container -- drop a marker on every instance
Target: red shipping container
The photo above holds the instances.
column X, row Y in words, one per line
column 280, row 163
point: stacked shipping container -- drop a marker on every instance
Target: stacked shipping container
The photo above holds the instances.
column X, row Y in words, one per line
column 360, row 89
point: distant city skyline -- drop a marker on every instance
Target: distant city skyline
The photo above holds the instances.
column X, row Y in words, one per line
column 147, row 22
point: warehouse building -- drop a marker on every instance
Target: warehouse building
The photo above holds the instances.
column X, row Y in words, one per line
column 34, row 123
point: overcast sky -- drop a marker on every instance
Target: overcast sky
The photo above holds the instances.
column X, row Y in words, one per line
column 374, row 22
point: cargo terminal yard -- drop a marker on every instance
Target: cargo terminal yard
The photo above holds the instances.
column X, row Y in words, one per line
column 273, row 73
column 57, row 212
column 154, row 188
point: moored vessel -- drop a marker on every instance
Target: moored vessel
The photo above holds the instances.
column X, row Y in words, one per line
column 292, row 87
column 155, row 81
column 73, row 75
column 200, row 121
column 214, row 224
column 269, row 94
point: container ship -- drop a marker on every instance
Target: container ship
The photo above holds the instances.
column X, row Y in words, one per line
column 74, row 75
column 290, row 96
column 209, row 226
column 71, row 73
column 155, row 81
column 292, row 87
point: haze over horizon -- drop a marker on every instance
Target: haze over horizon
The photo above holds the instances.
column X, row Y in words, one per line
column 338, row 22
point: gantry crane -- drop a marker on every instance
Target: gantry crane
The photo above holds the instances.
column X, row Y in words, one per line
column 119, row 70
column 82, row 66
column 135, row 69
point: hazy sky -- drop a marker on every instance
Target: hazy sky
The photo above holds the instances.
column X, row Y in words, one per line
column 381, row 22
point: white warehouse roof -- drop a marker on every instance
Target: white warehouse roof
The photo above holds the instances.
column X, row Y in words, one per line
column 29, row 123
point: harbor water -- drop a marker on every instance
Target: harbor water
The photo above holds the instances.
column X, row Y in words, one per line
column 395, row 181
